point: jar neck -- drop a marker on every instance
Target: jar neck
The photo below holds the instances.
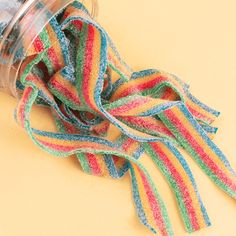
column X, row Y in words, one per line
column 11, row 12
column 8, row 10
column 26, row 19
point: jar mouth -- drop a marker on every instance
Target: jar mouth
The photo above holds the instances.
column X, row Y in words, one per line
column 17, row 15
column 25, row 25
column 8, row 68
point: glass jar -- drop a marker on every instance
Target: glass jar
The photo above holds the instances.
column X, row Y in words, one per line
column 23, row 19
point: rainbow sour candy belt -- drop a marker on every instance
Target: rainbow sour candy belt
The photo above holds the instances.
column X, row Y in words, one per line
column 73, row 68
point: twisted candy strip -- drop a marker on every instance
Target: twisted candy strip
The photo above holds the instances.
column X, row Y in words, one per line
column 74, row 68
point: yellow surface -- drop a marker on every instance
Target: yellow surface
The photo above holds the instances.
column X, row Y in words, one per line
column 41, row 195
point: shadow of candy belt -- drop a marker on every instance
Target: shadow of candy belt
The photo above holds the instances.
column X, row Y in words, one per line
column 73, row 68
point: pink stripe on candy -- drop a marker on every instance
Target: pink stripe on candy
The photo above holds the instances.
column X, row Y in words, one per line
column 129, row 106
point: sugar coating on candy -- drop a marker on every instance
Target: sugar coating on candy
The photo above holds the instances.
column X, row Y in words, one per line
column 74, row 68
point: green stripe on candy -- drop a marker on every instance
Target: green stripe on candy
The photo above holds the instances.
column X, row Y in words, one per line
column 84, row 162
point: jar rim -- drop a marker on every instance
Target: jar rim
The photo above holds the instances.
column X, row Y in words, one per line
column 10, row 70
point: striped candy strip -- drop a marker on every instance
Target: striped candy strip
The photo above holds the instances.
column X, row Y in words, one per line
column 146, row 198
column 179, row 176
column 73, row 68
column 195, row 141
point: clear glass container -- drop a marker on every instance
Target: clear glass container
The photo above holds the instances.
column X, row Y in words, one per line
column 19, row 19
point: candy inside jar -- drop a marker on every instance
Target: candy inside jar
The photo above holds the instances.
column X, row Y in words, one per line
column 20, row 23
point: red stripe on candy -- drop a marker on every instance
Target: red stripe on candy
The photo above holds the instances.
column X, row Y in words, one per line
column 93, row 164
column 140, row 87
column 38, row 44
column 53, row 58
column 21, row 111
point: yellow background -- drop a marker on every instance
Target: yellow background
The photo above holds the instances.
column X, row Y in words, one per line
column 41, row 195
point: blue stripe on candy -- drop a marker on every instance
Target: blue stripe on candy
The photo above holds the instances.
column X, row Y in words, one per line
column 111, row 166
column 140, row 150
column 143, row 73
column 124, row 169
column 209, row 128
